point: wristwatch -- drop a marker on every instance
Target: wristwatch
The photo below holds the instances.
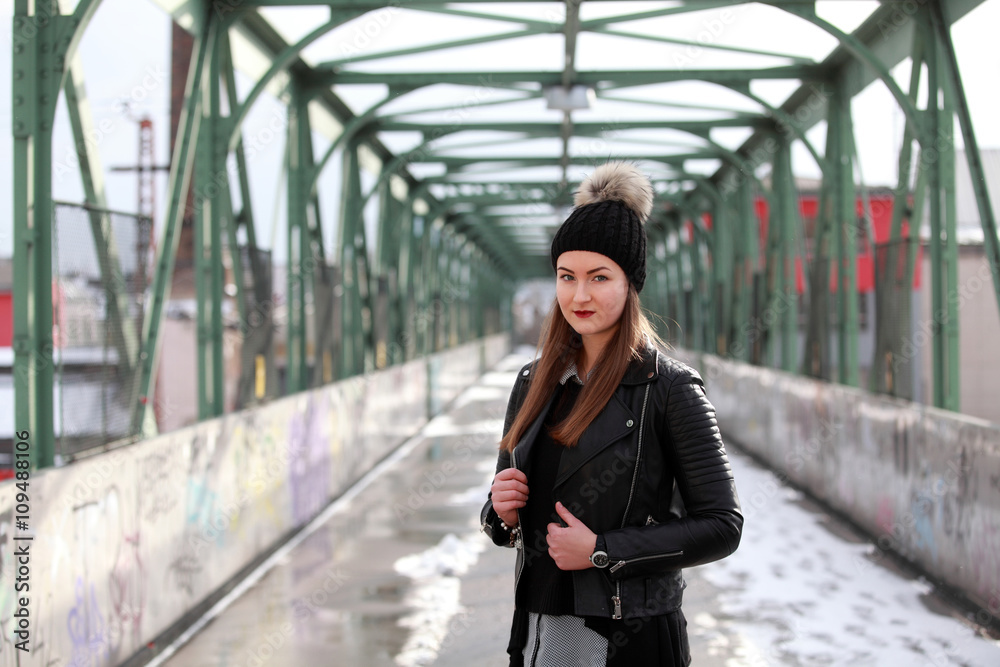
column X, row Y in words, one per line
column 600, row 556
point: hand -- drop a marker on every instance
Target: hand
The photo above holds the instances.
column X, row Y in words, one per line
column 570, row 547
column 509, row 493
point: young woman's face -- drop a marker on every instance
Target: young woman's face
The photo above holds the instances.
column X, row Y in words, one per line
column 591, row 290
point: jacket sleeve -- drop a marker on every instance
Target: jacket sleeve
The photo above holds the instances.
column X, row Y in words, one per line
column 713, row 523
column 488, row 518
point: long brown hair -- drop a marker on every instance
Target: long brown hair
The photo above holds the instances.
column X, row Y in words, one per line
column 559, row 345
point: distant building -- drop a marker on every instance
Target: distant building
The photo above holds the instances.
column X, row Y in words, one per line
column 979, row 319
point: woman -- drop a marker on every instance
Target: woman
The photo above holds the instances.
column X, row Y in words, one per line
column 612, row 475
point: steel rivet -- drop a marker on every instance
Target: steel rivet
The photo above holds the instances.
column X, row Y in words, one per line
column 629, row 423
column 525, row 373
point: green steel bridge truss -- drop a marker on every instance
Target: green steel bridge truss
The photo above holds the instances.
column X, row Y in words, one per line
column 448, row 244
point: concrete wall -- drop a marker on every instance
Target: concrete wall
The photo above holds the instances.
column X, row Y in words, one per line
column 923, row 482
column 127, row 542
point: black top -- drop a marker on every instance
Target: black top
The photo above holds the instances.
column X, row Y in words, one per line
column 547, row 589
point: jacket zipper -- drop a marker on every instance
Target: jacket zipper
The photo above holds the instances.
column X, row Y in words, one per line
column 638, row 457
column 616, row 599
column 518, row 544
column 622, row 563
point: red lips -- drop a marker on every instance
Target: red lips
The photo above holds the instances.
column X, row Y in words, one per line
column 583, row 314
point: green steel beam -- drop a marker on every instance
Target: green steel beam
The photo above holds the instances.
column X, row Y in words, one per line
column 786, row 123
column 845, row 234
column 211, row 206
column 705, row 44
column 784, row 297
column 319, row 271
column 340, row 62
column 256, row 326
column 602, row 95
column 35, row 89
column 124, row 335
column 300, row 261
column 352, row 128
column 817, row 353
column 892, row 275
column 688, row 7
column 41, row 49
column 953, row 76
column 181, row 168
column 864, row 54
column 280, row 62
column 354, row 266
column 386, row 271
column 581, row 129
column 366, row 5
column 228, row 79
column 591, row 78
column 886, row 48
column 453, row 162
column 746, row 261
column 541, row 26
column 456, row 114
column 944, row 251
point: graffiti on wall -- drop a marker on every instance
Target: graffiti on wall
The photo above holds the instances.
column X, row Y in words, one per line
column 130, row 541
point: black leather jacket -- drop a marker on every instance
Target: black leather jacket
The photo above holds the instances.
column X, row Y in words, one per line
column 650, row 475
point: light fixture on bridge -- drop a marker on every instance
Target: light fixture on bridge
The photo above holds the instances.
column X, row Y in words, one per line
column 569, row 99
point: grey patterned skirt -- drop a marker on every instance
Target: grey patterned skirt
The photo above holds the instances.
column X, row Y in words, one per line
column 576, row 641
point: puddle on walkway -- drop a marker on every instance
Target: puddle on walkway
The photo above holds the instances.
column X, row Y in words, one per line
column 380, row 582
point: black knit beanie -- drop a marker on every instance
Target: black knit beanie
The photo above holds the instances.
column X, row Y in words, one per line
column 611, row 206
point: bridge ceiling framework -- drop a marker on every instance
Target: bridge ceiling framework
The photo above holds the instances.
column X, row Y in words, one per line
column 470, row 166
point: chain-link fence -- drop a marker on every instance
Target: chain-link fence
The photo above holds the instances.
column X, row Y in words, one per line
column 101, row 270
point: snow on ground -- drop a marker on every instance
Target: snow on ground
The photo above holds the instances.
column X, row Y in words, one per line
column 796, row 593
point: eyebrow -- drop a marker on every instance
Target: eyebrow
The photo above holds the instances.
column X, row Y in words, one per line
column 600, row 268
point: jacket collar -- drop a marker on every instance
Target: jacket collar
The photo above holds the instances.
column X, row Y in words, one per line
column 643, row 369
column 639, row 371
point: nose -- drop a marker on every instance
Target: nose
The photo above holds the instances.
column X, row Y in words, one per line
column 582, row 292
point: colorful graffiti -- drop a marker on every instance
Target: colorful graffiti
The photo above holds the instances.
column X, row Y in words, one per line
column 130, row 541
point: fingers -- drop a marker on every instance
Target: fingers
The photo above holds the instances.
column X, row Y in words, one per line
column 566, row 515
column 509, row 493
column 511, row 474
column 510, row 484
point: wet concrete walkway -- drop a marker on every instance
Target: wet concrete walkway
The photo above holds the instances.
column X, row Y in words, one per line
column 396, row 573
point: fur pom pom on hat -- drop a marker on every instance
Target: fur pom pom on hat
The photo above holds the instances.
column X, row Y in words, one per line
column 611, row 206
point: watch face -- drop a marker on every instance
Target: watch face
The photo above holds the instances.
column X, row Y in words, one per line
column 600, row 559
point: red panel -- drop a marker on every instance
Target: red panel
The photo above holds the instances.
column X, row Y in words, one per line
column 6, row 319
column 808, row 206
column 865, row 273
column 881, row 213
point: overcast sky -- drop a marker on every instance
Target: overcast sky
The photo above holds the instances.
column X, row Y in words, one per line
column 126, row 59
